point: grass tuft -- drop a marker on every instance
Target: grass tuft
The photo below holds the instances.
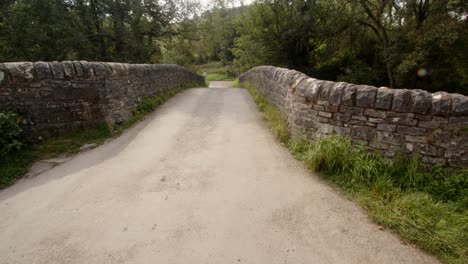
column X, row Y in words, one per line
column 426, row 206
column 235, row 83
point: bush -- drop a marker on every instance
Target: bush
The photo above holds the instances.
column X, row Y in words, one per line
column 10, row 133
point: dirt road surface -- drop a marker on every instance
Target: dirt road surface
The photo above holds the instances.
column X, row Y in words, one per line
column 202, row 180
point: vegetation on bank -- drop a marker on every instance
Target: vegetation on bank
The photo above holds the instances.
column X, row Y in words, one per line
column 16, row 155
column 215, row 71
column 428, row 207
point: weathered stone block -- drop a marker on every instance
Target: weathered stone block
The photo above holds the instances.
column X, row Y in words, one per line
column 365, row 96
column 441, row 103
column 402, row 101
column 331, row 108
column 43, row 70
column 390, row 138
column 444, row 139
column 425, row 149
column 336, row 92
column 459, row 104
column 78, row 68
column 375, row 120
column 88, row 70
column 418, row 139
column 326, row 129
column 312, row 89
column 433, row 160
column 454, row 153
column 324, row 103
column 423, row 117
column 429, row 124
column 325, row 114
column 341, row 130
column 20, row 71
column 414, row 131
column 349, row 95
column 325, row 90
column 351, row 110
column 384, row 98
column 359, row 117
column 342, row 117
column 318, row 107
column 363, row 132
column 378, row 145
column 101, row 70
column 422, row 101
column 386, row 127
column 323, row 120
column 3, row 74
column 459, row 120
column 68, row 69
column 375, row 113
column 57, row 70
column 403, row 119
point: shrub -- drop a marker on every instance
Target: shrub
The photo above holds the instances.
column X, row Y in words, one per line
column 10, row 133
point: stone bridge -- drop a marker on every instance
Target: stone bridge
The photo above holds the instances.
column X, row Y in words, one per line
column 202, row 179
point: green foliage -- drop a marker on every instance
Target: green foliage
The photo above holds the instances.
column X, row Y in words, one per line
column 366, row 42
column 103, row 30
column 235, row 83
column 361, row 73
column 10, row 133
column 427, row 206
column 216, row 71
column 15, row 165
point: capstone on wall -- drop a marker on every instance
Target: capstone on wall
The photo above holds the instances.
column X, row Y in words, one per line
column 435, row 126
column 53, row 97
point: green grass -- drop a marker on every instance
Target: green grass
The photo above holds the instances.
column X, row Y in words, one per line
column 215, row 71
column 425, row 206
column 235, row 83
column 16, row 164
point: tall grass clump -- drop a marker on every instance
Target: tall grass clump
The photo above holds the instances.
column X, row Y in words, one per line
column 427, row 206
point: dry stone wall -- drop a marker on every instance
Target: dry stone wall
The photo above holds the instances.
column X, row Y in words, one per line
column 435, row 126
column 53, row 97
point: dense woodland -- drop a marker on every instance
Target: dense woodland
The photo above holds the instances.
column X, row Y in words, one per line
column 397, row 43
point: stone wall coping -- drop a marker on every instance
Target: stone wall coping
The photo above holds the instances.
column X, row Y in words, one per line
column 383, row 98
column 36, row 71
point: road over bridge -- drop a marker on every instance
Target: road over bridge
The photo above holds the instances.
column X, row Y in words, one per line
column 201, row 180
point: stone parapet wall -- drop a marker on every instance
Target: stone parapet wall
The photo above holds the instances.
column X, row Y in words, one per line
column 53, row 97
column 435, row 126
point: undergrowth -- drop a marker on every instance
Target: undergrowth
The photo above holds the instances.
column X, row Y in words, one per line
column 426, row 206
column 216, row 71
column 14, row 165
